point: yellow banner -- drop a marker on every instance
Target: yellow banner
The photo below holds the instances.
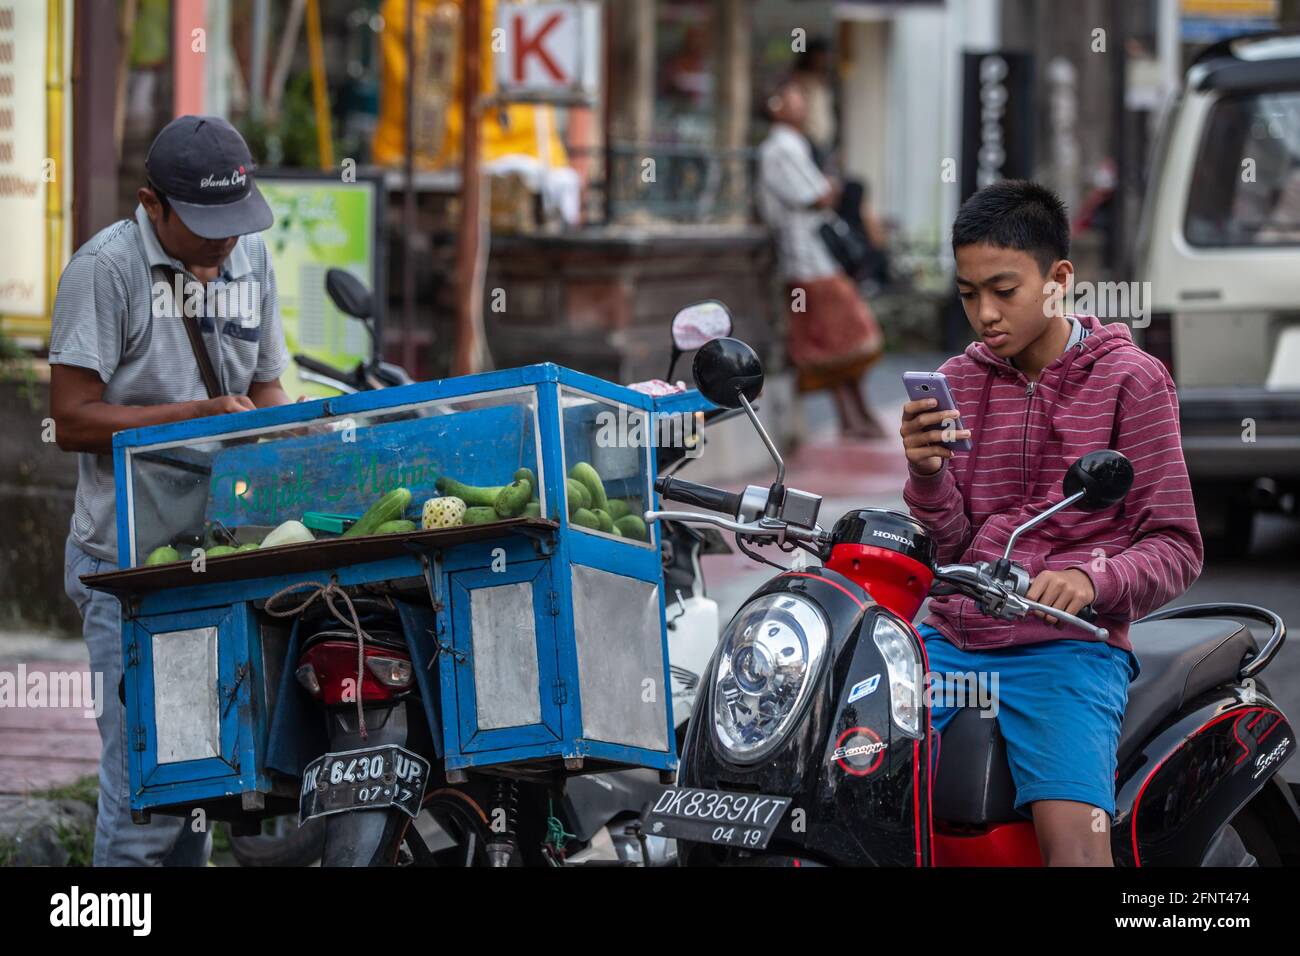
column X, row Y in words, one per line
column 1229, row 9
column 508, row 130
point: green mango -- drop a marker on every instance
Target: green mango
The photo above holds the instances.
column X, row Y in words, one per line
column 164, row 555
column 590, row 479
column 632, row 527
column 480, row 514
column 471, row 495
column 513, row 497
column 579, row 496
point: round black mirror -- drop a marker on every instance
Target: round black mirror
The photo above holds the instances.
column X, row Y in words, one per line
column 724, row 369
column 349, row 293
column 1104, row 477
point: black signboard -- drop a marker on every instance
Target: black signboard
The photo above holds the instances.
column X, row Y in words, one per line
column 997, row 123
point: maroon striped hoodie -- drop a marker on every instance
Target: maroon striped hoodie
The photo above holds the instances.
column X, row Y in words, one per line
column 1104, row 392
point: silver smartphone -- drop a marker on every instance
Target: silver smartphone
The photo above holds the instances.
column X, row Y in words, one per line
column 921, row 385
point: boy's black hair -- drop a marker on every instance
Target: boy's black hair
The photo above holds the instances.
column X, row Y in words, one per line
column 1015, row 214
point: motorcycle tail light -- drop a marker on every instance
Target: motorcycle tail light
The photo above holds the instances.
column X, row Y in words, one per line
column 306, row 675
column 392, row 672
column 333, row 664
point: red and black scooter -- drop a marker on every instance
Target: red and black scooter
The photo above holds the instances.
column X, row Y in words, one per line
column 810, row 742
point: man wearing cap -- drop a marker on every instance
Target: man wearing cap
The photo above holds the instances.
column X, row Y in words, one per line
column 121, row 357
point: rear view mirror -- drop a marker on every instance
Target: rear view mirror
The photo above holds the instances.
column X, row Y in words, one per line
column 695, row 325
column 725, row 369
column 1104, row 477
column 702, row 322
column 348, row 293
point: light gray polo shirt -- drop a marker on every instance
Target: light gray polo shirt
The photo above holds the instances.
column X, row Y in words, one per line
column 104, row 320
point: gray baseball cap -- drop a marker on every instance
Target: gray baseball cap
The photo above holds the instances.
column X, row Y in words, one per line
column 203, row 166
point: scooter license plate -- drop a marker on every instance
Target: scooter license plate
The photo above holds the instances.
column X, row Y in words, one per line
column 745, row 820
column 373, row 778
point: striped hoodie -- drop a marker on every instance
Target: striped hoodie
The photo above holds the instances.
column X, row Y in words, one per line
column 1104, row 392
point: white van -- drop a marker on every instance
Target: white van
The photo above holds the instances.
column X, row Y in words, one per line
column 1219, row 241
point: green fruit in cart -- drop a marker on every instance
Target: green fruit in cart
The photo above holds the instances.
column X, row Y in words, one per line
column 291, row 532
column 481, row 514
column 471, row 495
column 616, row 532
column 590, row 479
column 579, row 497
column 618, row 508
column 526, row 474
column 251, row 546
column 164, row 555
column 399, row 526
column 442, row 513
column 220, row 551
column 388, row 508
column 514, row 496
column 533, row 509
column 606, row 522
column 632, row 527
column 586, row 519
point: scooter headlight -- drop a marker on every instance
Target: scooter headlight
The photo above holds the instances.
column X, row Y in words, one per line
column 903, row 665
column 767, row 664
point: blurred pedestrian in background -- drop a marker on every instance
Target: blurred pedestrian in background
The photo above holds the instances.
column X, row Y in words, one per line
column 812, row 72
column 832, row 337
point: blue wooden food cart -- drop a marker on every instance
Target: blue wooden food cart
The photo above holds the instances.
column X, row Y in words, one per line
column 538, row 642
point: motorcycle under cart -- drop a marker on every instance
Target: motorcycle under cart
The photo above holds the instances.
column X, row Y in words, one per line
column 810, row 743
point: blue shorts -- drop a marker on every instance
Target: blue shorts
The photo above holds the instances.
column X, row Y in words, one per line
column 1059, row 706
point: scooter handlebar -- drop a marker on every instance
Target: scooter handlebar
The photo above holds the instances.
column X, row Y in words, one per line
column 701, row 496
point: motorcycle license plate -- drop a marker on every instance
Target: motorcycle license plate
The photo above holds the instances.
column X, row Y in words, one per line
column 746, row 820
column 373, row 778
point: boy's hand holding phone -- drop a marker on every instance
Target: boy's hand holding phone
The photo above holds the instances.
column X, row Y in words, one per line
column 926, row 428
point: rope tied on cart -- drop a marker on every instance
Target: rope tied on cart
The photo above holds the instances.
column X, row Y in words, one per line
column 328, row 592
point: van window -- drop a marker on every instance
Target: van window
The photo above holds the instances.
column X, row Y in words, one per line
column 1245, row 187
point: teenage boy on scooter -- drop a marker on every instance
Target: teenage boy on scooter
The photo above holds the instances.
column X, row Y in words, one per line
column 1036, row 391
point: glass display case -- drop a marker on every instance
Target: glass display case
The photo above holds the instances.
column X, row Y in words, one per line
column 235, row 490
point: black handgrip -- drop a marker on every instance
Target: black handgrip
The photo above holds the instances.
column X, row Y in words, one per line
column 701, row 496
column 1088, row 613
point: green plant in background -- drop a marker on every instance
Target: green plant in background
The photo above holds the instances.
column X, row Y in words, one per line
column 291, row 139
column 85, row 789
column 150, row 34
column 16, row 366
column 8, row 851
column 78, row 841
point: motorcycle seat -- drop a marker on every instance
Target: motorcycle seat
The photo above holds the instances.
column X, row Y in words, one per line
column 1180, row 659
